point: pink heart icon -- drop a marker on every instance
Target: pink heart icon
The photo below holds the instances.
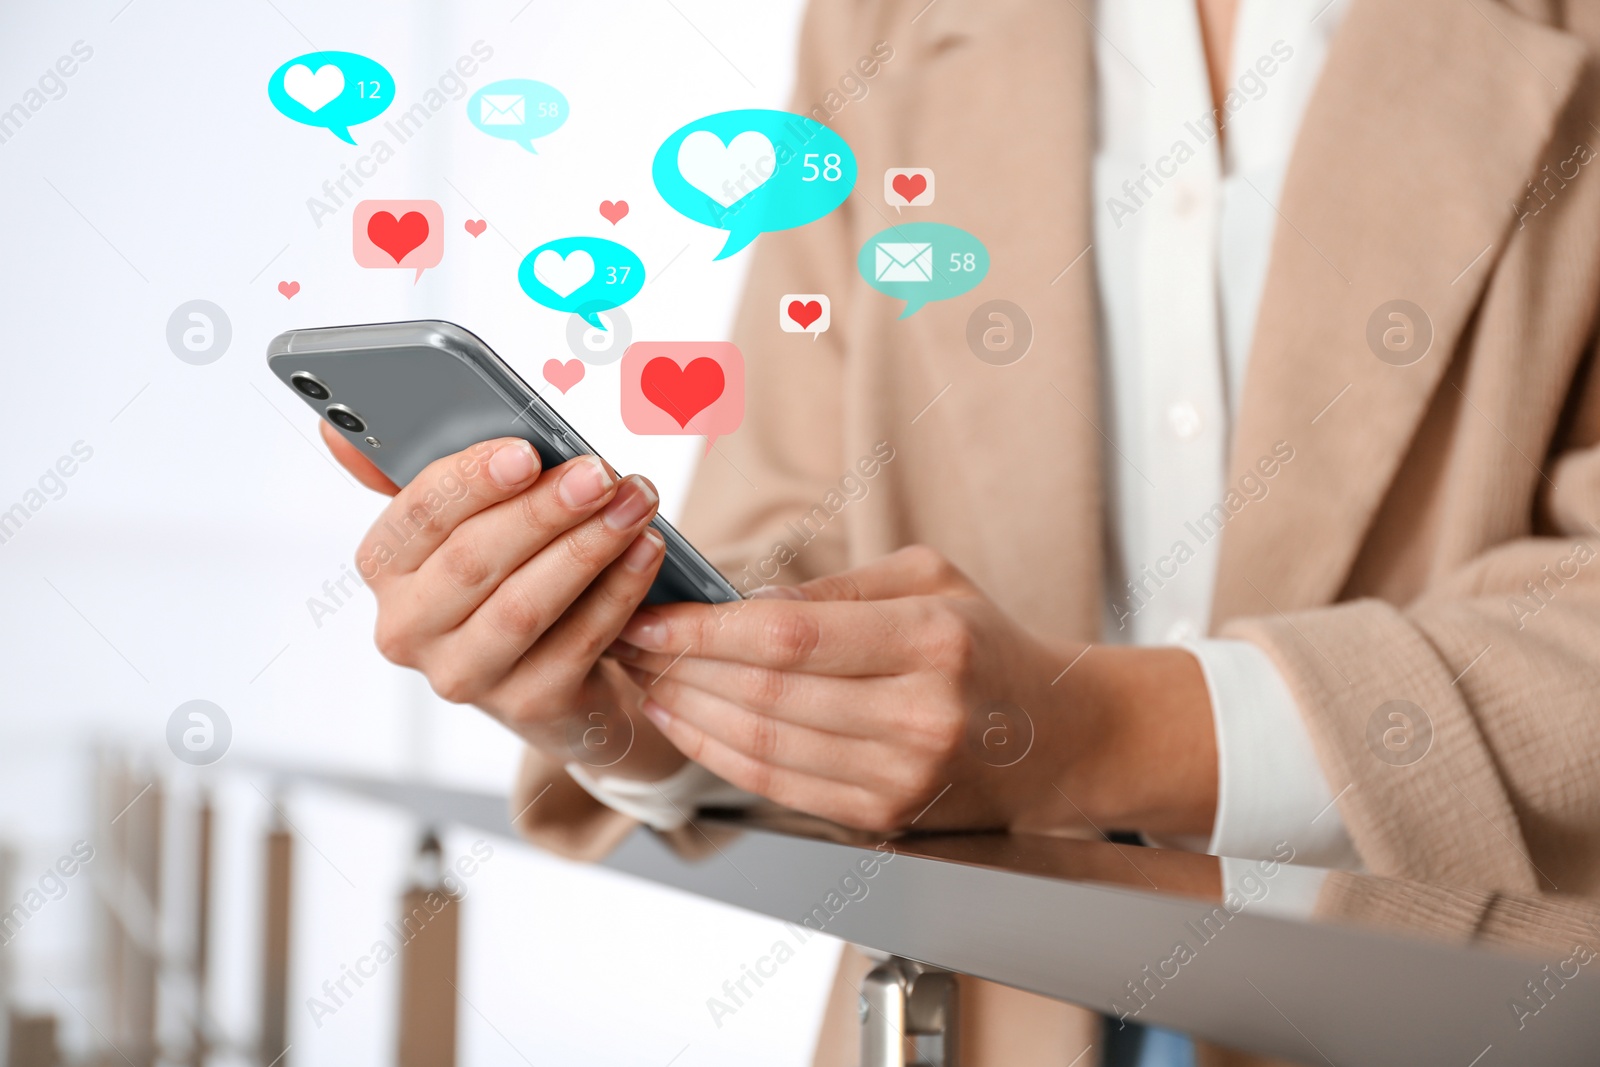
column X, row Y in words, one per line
column 613, row 212
column 288, row 289
column 476, row 227
column 563, row 375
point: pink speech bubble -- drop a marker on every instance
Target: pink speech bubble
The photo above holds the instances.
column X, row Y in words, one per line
column 403, row 234
column 683, row 387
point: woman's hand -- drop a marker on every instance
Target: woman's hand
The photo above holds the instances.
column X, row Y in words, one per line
column 503, row 584
column 898, row 695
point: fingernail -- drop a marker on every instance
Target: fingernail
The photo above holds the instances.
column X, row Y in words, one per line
column 632, row 503
column 512, row 464
column 642, row 552
column 778, row 592
column 646, row 631
column 656, row 713
column 587, row 481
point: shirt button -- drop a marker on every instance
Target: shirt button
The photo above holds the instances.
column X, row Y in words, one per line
column 1181, row 631
column 1184, row 203
column 1184, row 419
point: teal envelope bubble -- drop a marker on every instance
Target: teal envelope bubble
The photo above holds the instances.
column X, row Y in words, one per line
column 563, row 281
column 316, row 96
column 517, row 109
column 920, row 262
column 751, row 171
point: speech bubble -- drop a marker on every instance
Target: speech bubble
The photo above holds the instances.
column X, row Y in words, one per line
column 805, row 313
column 908, row 187
column 920, row 262
column 519, row 110
column 752, row 171
column 581, row 275
column 683, row 387
column 334, row 90
column 398, row 234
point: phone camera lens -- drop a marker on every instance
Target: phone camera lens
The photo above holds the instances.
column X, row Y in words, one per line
column 310, row 385
column 346, row 419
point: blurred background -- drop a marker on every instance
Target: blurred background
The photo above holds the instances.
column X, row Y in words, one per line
column 187, row 555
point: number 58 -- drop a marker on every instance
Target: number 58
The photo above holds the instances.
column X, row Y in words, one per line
column 829, row 171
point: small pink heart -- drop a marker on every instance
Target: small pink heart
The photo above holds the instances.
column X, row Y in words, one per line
column 563, row 375
column 613, row 212
column 476, row 227
column 288, row 289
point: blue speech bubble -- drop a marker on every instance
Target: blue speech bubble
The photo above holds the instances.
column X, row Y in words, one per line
column 334, row 90
column 557, row 275
column 920, row 262
column 752, row 171
column 519, row 110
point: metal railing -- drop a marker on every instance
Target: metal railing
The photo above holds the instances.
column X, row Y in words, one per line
column 1280, row 960
column 1375, row 971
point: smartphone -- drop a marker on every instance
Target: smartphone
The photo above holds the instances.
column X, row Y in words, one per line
column 409, row 393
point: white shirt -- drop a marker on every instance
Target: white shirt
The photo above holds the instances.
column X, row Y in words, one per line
column 1182, row 232
column 1181, row 252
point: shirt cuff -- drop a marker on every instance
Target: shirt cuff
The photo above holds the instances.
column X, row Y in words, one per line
column 1271, row 887
column 1270, row 788
column 666, row 804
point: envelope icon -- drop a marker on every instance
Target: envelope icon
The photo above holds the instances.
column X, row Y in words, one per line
column 905, row 261
column 502, row 109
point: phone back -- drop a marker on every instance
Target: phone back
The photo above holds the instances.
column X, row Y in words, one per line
column 424, row 390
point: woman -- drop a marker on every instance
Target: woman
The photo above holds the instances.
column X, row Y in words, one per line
column 1309, row 373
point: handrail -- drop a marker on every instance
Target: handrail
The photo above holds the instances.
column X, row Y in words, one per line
column 1379, row 972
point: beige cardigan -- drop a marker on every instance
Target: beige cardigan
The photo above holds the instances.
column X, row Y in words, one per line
column 1432, row 540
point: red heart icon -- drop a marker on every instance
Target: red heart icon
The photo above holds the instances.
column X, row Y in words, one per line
column 805, row 314
column 474, row 227
column 563, row 375
column 910, row 186
column 288, row 289
column 398, row 237
column 613, row 212
column 682, row 392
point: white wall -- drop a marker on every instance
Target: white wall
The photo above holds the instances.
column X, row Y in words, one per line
column 179, row 560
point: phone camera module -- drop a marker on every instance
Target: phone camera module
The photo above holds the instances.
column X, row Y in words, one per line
column 345, row 419
column 310, row 385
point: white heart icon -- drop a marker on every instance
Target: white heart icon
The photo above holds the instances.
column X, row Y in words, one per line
column 313, row 91
column 726, row 173
column 563, row 275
